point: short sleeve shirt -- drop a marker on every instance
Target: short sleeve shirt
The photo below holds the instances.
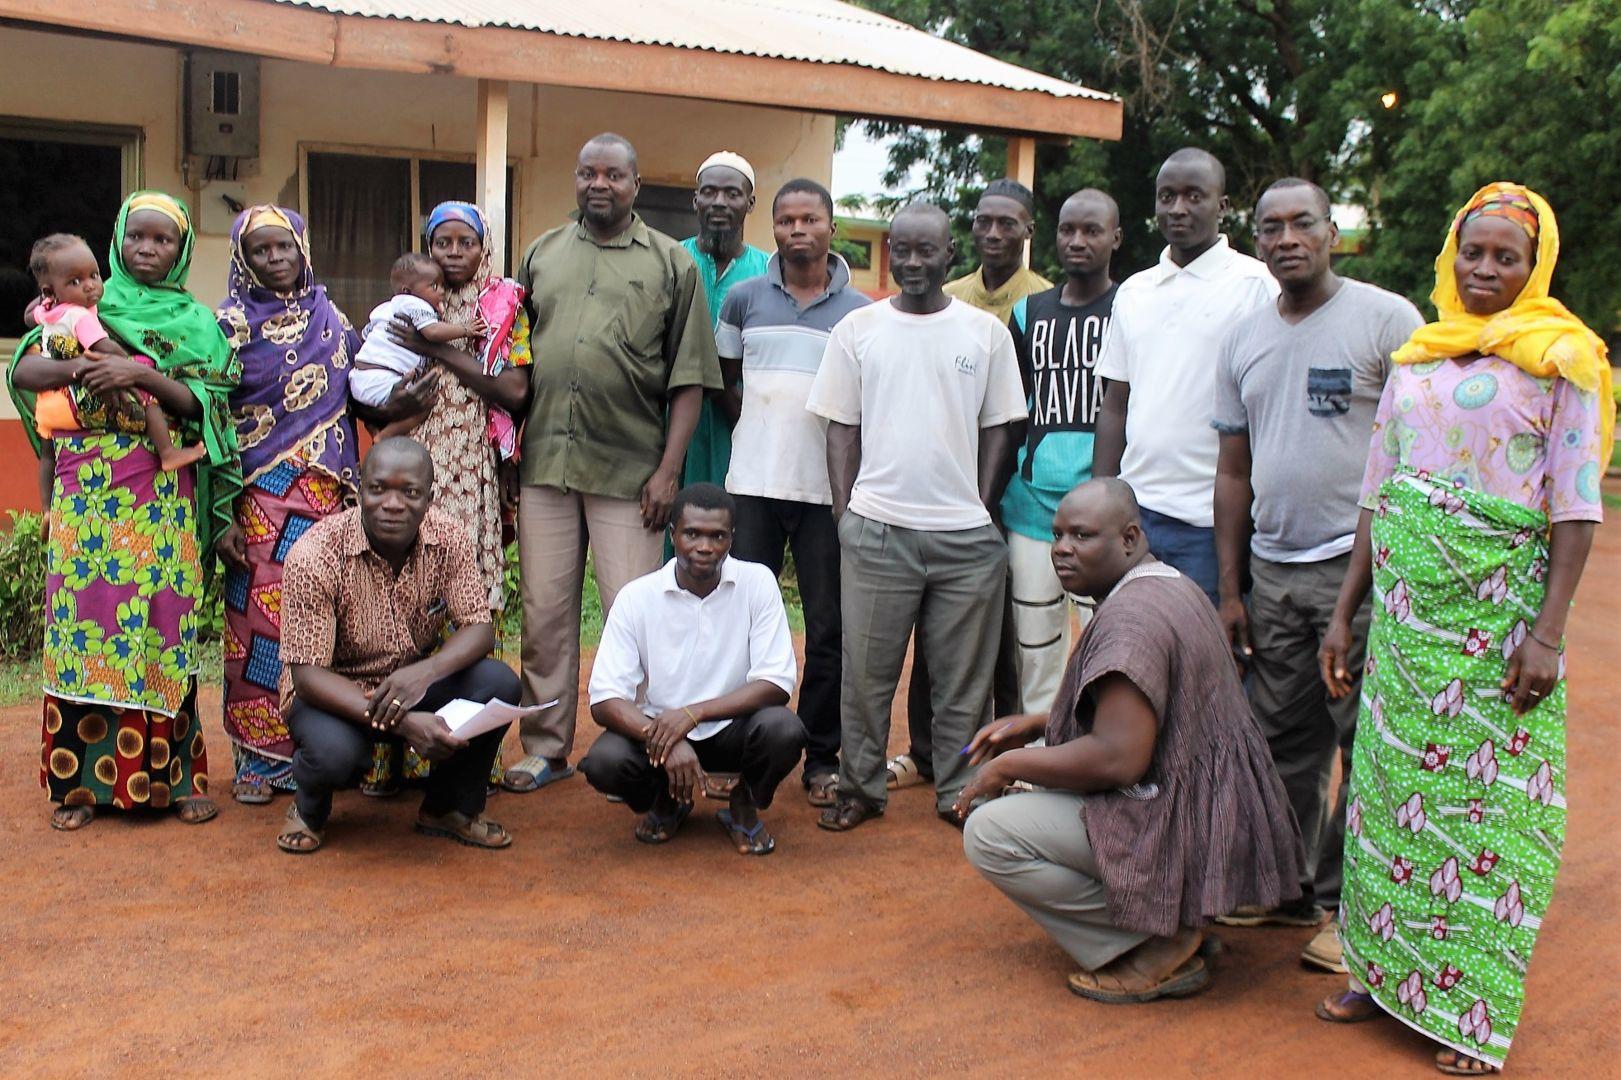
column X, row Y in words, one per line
column 344, row 608
column 921, row 387
column 1306, row 392
column 68, row 330
column 1167, row 324
column 1495, row 429
column 618, row 326
column 779, row 449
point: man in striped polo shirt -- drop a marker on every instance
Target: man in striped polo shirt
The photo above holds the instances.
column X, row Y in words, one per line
column 772, row 332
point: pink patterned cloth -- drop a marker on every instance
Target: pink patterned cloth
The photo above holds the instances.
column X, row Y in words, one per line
column 499, row 305
column 1493, row 428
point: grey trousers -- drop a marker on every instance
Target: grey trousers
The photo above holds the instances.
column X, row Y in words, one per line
column 1289, row 608
column 891, row 580
column 1033, row 846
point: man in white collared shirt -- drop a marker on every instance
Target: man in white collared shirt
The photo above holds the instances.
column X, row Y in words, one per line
column 693, row 674
column 1159, row 364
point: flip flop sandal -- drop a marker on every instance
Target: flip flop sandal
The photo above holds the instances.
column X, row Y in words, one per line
column 734, row 831
column 668, row 826
column 1344, row 1001
column 846, row 814
column 209, row 810
column 1191, row 977
column 903, row 773
column 252, row 791
column 74, row 818
column 478, row 832
column 1454, row 1068
column 822, row 789
column 537, row 768
column 297, row 827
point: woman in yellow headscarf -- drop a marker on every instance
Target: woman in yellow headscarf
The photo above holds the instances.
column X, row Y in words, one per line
column 1479, row 501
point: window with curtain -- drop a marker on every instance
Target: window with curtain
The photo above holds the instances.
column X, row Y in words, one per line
column 366, row 210
column 360, row 222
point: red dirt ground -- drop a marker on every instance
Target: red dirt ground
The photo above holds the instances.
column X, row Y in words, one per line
column 144, row 947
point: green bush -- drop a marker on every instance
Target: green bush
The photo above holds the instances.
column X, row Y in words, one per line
column 22, row 587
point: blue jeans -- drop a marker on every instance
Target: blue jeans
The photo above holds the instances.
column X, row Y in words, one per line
column 1189, row 548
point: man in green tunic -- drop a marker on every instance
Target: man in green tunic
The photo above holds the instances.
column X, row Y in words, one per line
column 724, row 198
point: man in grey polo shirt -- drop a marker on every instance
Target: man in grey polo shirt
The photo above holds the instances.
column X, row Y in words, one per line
column 772, row 333
column 1297, row 384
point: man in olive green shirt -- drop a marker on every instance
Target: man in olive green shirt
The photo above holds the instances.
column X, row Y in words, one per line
column 621, row 338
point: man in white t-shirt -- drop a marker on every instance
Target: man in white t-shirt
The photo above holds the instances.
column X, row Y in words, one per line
column 693, row 674
column 924, row 406
column 1159, row 364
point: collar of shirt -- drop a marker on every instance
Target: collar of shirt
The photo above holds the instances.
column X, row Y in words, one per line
column 1208, row 266
column 430, row 533
column 1018, row 285
column 634, row 233
column 838, row 278
column 728, row 576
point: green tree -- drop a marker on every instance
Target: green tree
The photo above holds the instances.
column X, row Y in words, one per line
column 1484, row 89
column 1521, row 90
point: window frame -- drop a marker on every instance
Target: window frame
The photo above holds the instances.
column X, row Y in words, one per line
column 414, row 158
column 130, row 140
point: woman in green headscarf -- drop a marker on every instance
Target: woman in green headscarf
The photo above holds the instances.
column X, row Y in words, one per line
column 128, row 541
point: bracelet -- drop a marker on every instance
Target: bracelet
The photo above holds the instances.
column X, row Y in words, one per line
column 1533, row 636
column 691, row 716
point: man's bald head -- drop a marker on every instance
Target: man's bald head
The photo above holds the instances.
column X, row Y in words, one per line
column 1106, row 500
column 922, row 213
column 1093, row 198
column 1193, row 156
column 398, row 451
column 1097, row 536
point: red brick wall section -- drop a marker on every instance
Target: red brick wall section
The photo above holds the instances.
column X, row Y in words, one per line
column 19, row 472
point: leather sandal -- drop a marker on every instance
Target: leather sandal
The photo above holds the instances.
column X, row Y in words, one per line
column 298, row 830
column 479, row 832
column 1140, row 976
column 846, row 814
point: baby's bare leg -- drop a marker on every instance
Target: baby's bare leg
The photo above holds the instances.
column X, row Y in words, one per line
column 157, row 429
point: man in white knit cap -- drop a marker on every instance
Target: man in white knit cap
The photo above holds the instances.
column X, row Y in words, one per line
column 723, row 199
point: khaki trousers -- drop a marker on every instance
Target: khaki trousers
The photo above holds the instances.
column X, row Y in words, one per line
column 1033, row 846
column 554, row 529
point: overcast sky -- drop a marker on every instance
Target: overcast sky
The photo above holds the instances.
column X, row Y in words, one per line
column 858, row 168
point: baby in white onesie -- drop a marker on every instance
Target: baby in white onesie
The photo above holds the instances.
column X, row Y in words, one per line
column 381, row 363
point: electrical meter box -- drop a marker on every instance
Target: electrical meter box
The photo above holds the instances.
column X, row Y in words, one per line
column 222, row 104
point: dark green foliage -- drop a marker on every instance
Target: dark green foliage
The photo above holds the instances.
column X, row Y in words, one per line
column 1523, row 90
column 22, row 587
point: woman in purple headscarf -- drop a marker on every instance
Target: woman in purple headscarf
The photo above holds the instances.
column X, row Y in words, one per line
column 298, row 465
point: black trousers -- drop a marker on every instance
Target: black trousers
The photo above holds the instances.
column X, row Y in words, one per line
column 764, row 526
column 1004, row 688
column 330, row 753
column 763, row 748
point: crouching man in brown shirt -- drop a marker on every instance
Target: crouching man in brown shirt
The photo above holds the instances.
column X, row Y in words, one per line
column 1157, row 806
column 366, row 596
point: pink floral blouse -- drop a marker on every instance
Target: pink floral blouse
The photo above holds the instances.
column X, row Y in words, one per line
column 1493, row 428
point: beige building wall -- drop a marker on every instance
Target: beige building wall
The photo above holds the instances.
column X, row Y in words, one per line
column 307, row 104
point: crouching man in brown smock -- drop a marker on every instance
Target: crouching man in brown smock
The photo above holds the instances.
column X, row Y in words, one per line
column 1157, row 805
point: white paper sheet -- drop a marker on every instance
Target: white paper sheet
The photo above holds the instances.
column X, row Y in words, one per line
column 468, row 719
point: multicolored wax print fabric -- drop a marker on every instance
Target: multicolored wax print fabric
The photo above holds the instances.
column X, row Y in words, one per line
column 101, row 755
column 1456, row 815
column 277, row 508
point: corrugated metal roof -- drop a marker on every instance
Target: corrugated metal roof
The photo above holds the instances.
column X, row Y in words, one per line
column 818, row 31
